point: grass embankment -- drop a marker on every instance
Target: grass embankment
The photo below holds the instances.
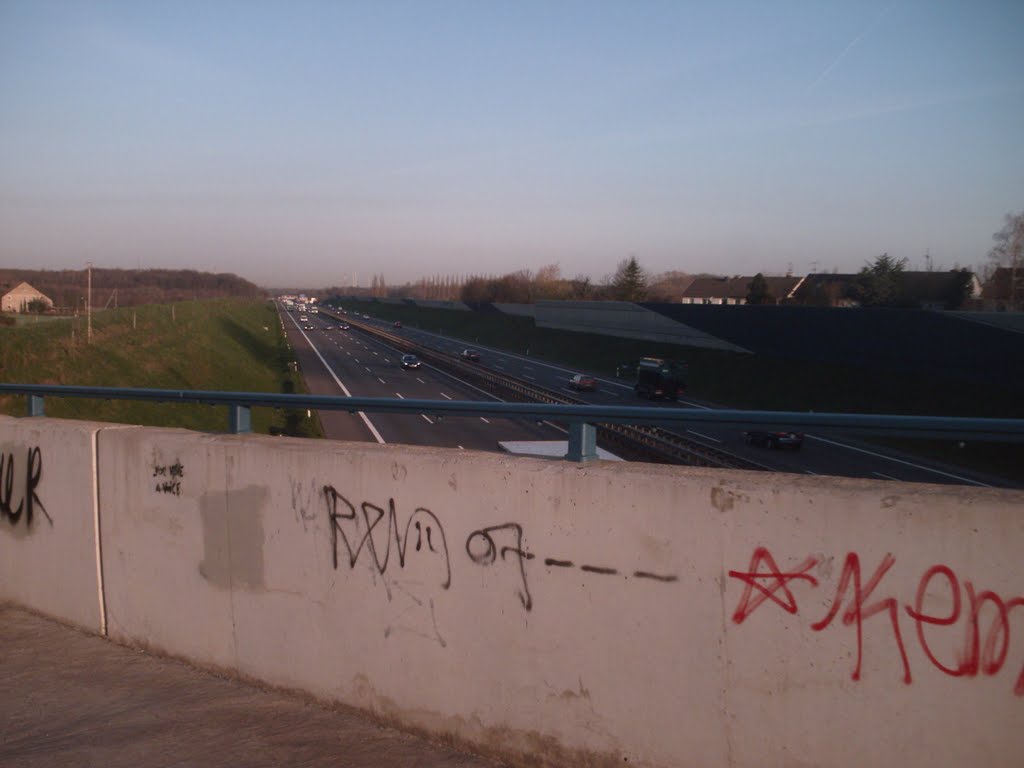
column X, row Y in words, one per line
column 228, row 344
column 753, row 381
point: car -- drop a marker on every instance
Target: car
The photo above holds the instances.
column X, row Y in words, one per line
column 345, row 327
column 398, row 323
column 579, row 382
column 308, row 327
column 410, row 361
column 774, row 439
column 303, row 319
column 366, row 317
column 471, row 355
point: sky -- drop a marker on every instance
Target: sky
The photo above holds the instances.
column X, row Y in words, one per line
column 311, row 143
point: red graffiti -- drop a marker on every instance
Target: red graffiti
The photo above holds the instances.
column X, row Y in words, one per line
column 974, row 656
column 778, row 581
column 987, row 657
column 858, row 611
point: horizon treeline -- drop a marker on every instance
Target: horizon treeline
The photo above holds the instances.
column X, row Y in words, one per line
column 67, row 288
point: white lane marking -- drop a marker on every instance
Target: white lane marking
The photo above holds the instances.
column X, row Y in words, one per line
column 386, row 360
column 356, row 359
column 899, row 461
column 427, row 418
column 809, row 472
column 531, row 378
column 399, row 394
column 376, row 353
column 884, row 477
column 445, row 396
column 381, row 380
column 461, row 448
column 367, row 369
column 485, row 421
column 613, row 394
column 369, row 424
column 706, row 437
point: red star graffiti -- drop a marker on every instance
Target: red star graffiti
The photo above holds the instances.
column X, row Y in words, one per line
column 769, row 583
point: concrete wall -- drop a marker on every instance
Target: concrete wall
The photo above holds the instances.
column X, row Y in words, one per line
column 623, row 318
column 604, row 614
column 48, row 554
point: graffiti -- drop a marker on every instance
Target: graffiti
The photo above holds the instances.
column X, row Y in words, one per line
column 29, row 501
column 482, row 550
column 764, row 581
column 303, row 497
column 171, row 482
column 777, row 581
column 429, row 533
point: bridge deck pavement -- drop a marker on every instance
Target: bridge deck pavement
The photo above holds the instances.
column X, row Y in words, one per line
column 68, row 698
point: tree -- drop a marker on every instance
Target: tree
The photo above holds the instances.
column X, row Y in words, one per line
column 630, row 281
column 759, row 292
column 959, row 290
column 37, row 306
column 580, row 287
column 1007, row 253
column 880, row 284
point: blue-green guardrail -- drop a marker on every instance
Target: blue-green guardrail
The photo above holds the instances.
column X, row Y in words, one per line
column 581, row 419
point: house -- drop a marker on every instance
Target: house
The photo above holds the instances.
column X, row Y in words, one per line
column 938, row 290
column 18, row 299
column 734, row 290
column 1004, row 290
column 824, row 289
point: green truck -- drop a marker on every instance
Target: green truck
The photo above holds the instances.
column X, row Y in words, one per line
column 660, row 378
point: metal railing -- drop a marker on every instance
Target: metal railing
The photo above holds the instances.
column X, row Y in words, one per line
column 582, row 420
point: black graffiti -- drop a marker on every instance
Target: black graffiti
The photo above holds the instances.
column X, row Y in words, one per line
column 174, row 473
column 489, row 554
column 558, row 563
column 668, row 578
column 599, row 569
column 30, row 500
column 426, row 523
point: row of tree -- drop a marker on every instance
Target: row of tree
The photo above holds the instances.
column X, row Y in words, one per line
column 127, row 287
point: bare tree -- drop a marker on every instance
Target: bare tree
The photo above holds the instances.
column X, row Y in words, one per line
column 1007, row 253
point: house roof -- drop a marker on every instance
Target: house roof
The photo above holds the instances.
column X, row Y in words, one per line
column 737, row 287
column 998, row 286
column 26, row 291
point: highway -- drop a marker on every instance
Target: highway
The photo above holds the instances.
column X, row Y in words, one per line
column 337, row 362
column 822, row 454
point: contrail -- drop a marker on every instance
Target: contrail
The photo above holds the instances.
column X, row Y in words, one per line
column 836, row 60
column 849, row 47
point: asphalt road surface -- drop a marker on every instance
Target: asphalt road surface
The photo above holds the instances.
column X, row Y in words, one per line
column 372, row 370
column 337, row 362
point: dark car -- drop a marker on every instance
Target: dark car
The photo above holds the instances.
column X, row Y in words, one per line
column 774, row 440
column 344, row 327
column 471, row 355
column 581, row 383
column 410, row 361
column 398, row 323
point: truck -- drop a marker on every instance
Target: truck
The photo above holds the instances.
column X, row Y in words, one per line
column 660, row 378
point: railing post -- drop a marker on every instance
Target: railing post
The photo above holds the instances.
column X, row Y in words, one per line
column 240, row 418
column 582, row 441
column 36, row 407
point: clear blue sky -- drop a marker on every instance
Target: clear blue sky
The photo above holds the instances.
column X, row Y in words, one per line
column 300, row 143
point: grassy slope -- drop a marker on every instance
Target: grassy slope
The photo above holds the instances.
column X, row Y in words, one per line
column 753, row 381
column 232, row 345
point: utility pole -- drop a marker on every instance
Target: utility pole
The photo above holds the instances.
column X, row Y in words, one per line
column 88, row 303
